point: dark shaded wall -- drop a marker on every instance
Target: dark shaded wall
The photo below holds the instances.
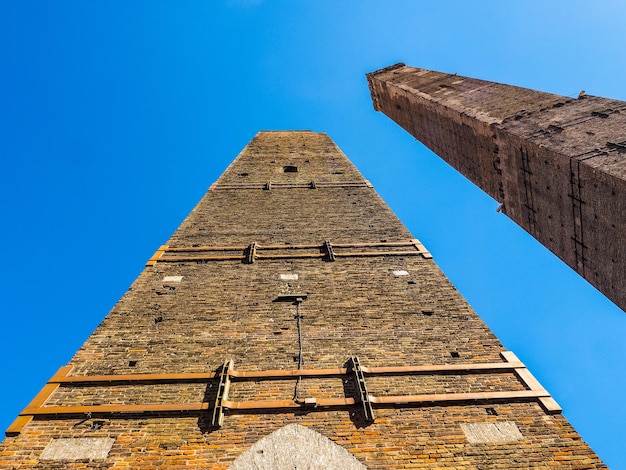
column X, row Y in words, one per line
column 557, row 164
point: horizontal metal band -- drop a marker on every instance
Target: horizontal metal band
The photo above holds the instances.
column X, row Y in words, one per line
column 254, row 251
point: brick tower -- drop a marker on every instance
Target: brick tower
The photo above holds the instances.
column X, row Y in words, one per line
column 292, row 321
column 556, row 164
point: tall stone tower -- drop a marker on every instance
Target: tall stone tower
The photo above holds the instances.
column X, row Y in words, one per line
column 556, row 164
column 292, row 321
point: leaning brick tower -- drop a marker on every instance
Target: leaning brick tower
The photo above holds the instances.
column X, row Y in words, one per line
column 556, row 164
column 292, row 321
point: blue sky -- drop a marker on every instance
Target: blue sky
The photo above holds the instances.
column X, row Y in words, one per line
column 116, row 116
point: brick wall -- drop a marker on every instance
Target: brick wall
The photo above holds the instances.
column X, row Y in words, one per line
column 356, row 305
column 557, row 164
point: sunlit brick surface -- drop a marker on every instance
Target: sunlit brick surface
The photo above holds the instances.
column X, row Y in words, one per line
column 227, row 309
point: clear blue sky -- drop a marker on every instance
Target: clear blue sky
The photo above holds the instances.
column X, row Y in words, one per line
column 116, row 116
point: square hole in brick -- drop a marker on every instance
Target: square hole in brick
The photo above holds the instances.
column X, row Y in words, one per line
column 455, row 354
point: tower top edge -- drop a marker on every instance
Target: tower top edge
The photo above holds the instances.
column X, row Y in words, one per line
column 305, row 133
column 393, row 73
column 288, row 131
column 387, row 69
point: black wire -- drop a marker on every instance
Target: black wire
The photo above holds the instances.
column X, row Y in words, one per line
column 297, row 387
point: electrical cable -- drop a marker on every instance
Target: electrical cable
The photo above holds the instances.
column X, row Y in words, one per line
column 300, row 353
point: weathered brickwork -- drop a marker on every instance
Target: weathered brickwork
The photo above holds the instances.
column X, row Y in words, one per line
column 223, row 309
column 557, row 164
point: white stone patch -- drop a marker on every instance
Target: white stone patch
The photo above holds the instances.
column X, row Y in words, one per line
column 78, row 448
column 479, row 433
column 400, row 272
column 296, row 447
column 289, row 277
column 172, row 278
